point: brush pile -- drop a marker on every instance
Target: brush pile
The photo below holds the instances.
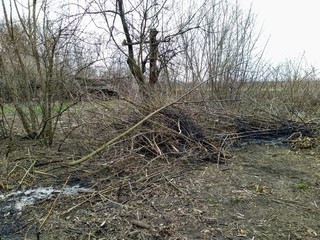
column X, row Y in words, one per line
column 173, row 132
column 200, row 132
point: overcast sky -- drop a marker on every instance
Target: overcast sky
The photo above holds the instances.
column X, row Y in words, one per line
column 293, row 27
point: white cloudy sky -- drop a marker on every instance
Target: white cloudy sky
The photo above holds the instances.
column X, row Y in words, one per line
column 293, row 27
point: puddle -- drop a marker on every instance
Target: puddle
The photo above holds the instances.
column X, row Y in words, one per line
column 276, row 141
column 280, row 141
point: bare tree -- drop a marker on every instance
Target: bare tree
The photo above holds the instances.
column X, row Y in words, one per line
column 224, row 50
column 37, row 54
column 144, row 31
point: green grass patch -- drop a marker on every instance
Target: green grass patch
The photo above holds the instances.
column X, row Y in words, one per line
column 302, row 186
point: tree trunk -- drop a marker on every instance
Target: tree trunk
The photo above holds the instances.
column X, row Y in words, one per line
column 153, row 57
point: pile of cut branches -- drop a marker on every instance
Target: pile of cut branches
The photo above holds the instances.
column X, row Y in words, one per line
column 174, row 132
column 227, row 126
column 197, row 131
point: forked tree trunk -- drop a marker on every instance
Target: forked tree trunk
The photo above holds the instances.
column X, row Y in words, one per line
column 137, row 69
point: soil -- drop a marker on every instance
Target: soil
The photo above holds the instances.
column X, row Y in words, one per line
column 265, row 191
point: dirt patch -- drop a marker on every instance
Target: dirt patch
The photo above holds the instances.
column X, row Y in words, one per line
column 264, row 192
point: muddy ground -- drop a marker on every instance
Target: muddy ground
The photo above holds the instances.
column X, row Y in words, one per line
column 265, row 191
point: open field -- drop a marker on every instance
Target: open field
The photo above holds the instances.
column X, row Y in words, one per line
column 153, row 184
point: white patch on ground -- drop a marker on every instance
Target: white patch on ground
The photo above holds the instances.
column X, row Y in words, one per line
column 21, row 198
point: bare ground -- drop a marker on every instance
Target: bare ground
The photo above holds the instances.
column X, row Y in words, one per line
column 263, row 192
